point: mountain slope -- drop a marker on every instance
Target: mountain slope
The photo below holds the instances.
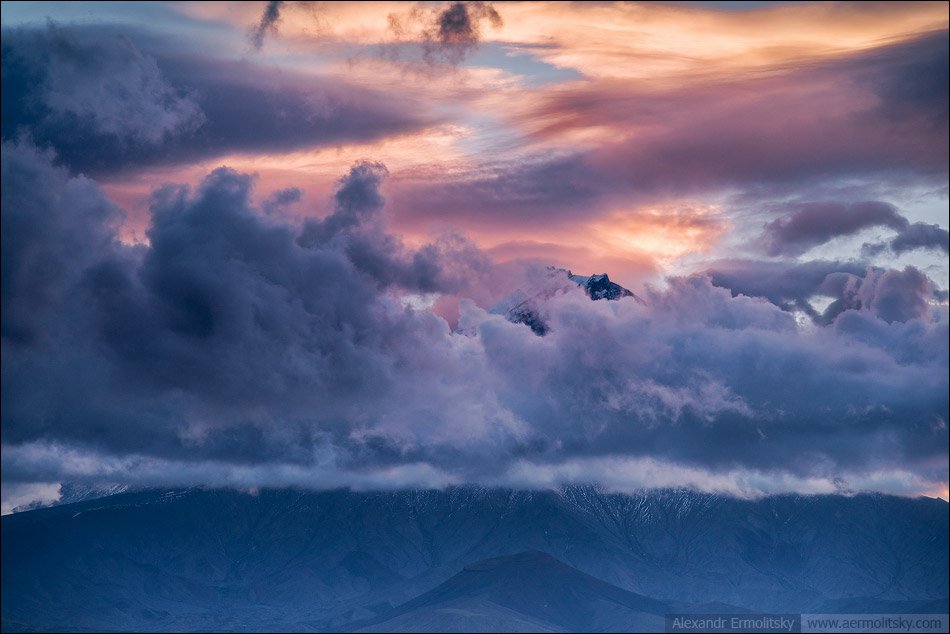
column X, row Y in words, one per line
column 286, row 559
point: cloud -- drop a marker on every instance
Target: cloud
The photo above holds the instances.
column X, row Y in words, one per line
column 591, row 148
column 240, row 348
column 785, row 284
column 890, row 294
column 57, row 82
column 894, row 295
column 456, row 31
column 281, row 199
column 916, row 83
column 138, row 110
column 357, row 199
column 918, row 235
column 837, row 121
column 515, row 194
column 448, row 34
column 357, row 227
column 23, row 496
column 816, row 223
column 921, row 235
column 218, row 286
column 267, row 25
column 50, row 235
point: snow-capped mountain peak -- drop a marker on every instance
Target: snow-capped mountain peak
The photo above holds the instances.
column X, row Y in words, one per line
column 530, row 311
column 600, row 286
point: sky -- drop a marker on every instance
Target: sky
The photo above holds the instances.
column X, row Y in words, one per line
column 275, row 244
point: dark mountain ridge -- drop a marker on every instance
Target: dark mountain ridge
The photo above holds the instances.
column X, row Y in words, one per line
column 531, row 587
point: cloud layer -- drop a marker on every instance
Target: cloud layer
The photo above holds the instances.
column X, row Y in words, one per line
column 818, row 223
column 105, row 106
column 238, row 348
column 106, row 86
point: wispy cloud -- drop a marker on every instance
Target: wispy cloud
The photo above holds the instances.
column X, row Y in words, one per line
column 268, row 24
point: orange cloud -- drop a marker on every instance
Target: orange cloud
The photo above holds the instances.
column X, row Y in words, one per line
column 630, row 40
column 665, row 233
column 667, row 44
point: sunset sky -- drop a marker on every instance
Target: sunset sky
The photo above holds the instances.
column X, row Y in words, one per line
column 770, row 178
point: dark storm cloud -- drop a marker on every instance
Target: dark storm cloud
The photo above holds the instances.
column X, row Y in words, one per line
column 919, row 235
column 281, row 199
column 49, row 235
column 816, row 223
column 896, row 295
column 893, row 296
column 267, row 25
column 124, row 109
column 238, row 348
column 357, row 200
column 727, row 354
column 356, row 226
column 890, row 295
column 784, row 284
column 224, row 312
column 57, row 82
column 251, row 108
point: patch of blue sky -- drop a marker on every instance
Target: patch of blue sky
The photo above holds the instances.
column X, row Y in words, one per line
column 488, row 136
column 736, row 5
column 521, row 61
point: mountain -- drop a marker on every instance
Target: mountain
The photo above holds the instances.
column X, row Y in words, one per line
column 600, row 287
column 297, row 561
column 520, row 309
column 529, row 591
column 70, row 492
column 528, row 313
